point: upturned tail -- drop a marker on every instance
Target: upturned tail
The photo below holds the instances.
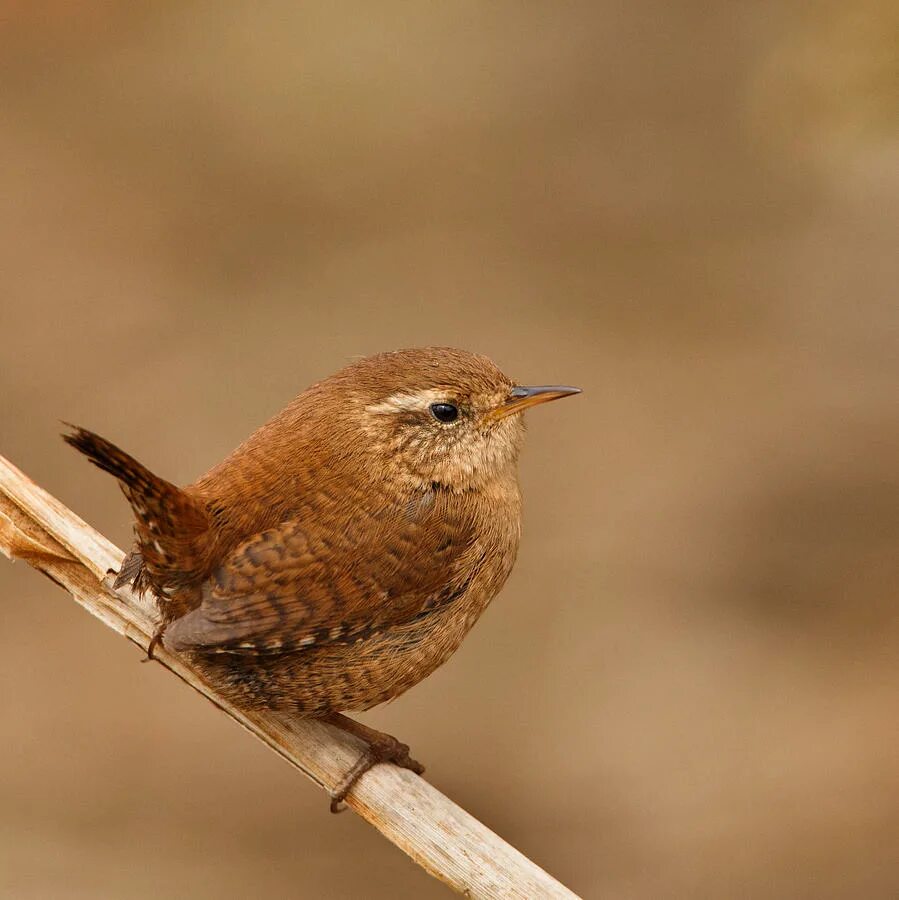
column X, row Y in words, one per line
column 171, row 526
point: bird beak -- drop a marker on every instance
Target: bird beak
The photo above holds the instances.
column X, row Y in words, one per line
column 520, row 398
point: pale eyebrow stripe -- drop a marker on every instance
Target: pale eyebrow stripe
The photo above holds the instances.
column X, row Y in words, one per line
column 406, row 402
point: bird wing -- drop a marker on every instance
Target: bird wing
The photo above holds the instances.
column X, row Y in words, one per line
column 298, row 586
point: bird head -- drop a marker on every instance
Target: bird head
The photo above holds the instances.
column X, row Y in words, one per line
column 439, row 416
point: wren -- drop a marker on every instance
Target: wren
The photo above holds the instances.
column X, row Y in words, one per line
column 342, row 552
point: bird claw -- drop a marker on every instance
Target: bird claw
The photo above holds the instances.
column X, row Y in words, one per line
column 154, row 643
column 382, row 748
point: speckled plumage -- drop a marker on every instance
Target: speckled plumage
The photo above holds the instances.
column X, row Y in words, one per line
column 342, row 552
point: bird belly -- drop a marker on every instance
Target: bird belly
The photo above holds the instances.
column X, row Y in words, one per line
column 352, row 676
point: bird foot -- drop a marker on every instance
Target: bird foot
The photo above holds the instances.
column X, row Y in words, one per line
column 381, row 748
column 154, row 643
column 124, row 578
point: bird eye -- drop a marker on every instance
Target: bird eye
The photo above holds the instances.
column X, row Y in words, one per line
column 444, row 412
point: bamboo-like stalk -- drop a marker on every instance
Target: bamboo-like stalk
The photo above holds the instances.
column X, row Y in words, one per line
column 440, row 836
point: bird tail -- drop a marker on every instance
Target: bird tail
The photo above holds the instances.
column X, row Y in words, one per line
column 171, row 525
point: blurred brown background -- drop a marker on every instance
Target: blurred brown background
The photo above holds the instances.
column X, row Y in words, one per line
column 689, row 686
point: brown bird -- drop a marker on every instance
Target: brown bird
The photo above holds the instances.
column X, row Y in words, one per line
column 342, row 552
